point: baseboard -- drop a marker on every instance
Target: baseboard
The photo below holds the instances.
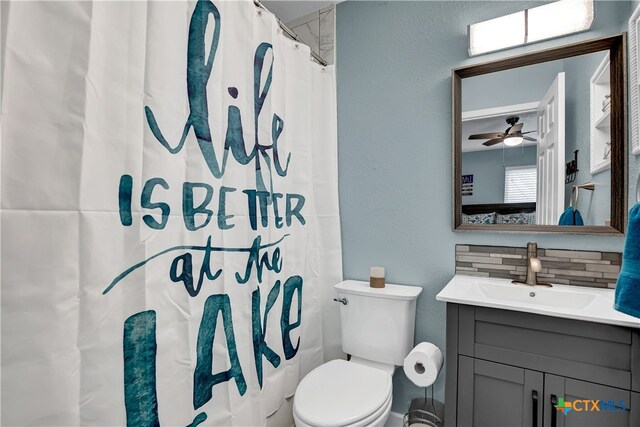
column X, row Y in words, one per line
column 394, row 420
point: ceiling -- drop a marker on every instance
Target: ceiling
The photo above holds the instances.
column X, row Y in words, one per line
column 289, row 10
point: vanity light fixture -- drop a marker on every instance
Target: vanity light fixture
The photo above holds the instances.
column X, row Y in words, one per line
column 495, row 34
column 512, row 141
column 531, row 25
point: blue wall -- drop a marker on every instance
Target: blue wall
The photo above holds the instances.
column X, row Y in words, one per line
column 488, row 168
column 394, row 62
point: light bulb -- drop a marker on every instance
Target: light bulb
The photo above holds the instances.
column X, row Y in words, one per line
column 512, row 141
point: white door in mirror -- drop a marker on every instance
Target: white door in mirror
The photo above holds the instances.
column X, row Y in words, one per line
column 551, row 127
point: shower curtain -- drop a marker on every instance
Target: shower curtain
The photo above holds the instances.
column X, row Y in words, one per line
column 169, row 213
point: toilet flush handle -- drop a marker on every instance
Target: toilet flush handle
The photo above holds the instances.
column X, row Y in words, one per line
column 342, row 300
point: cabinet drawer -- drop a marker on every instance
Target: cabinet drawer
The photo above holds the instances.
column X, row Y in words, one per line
column 583, row 350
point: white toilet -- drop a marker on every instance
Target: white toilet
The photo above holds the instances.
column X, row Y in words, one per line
column 377, row 331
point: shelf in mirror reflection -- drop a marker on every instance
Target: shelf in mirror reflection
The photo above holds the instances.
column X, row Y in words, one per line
column 604, row 121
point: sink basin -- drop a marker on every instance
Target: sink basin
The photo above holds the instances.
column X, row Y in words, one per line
column 570, row 302
column 538, row 296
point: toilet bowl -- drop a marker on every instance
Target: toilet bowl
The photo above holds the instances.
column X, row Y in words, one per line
column 377, row 326
column 341, row 394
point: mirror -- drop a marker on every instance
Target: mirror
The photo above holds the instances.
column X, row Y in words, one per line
column 540, row 141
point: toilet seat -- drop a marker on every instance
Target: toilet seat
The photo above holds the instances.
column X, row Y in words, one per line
column 377, row 419
column 371, row 420
column 341, row 393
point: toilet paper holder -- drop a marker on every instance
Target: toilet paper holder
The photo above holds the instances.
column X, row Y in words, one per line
column 424, row 412
column 422, row 366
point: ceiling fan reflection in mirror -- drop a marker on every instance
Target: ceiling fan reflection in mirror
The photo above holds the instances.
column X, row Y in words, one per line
column 511, row 137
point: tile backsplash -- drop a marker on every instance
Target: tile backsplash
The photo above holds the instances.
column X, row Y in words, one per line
column 563, row 266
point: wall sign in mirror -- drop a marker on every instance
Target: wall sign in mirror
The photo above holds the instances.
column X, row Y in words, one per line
column 518, row 123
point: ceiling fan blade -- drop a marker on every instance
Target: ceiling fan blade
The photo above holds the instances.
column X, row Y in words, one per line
column 528, row 138
column 487, row 135
column 515, row 128
column 531, row 131
column 493, row 141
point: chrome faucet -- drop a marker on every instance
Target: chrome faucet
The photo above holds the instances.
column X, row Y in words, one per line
column 533, row 264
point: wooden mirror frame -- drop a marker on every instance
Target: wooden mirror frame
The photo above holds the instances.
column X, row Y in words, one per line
column 616, row 45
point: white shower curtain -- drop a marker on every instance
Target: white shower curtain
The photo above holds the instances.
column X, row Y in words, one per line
column 169, row 213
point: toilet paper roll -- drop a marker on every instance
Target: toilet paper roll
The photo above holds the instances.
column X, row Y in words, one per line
column 423, row 364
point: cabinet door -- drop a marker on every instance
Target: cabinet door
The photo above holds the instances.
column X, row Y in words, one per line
column 587, row 404
column 495, row 395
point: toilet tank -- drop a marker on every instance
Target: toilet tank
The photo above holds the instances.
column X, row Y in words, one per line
column 377, row 323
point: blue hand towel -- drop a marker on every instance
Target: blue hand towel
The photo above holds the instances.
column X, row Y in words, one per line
column 571, row 217
column 628, row 287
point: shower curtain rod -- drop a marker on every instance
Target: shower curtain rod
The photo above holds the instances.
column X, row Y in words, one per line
column 291, row 34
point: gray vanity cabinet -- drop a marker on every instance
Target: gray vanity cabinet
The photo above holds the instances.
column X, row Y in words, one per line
column 509, row 368
column 497, row 395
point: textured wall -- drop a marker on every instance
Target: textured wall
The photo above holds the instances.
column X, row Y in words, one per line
column 394, row 137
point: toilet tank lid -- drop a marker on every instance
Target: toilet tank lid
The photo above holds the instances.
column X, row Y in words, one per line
column 357, row 287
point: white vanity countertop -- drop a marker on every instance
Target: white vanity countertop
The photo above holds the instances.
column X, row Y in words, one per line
column 571, row 302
